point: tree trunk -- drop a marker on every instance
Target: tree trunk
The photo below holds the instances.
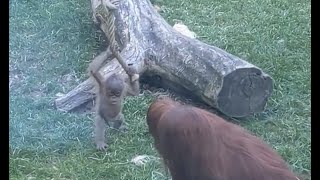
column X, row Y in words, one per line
column 224, row 81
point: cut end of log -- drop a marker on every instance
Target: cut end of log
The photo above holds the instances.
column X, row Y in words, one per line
column 244, row 91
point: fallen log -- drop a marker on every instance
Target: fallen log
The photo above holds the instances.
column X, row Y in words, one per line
column 222, row 80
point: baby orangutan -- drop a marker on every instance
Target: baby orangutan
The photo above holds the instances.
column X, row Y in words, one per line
column 198, row 145
column 109, row 101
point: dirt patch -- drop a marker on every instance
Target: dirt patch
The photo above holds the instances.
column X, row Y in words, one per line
column 36, row 94
column 15, row 78
column 38, row 90
column 68, row 80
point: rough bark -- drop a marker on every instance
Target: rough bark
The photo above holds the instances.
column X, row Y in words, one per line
column 224, row 81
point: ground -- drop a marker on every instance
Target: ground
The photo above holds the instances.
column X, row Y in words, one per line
column 51, row 43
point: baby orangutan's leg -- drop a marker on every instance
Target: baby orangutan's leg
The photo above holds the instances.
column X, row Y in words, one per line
column 100, row 128
column 119, row 123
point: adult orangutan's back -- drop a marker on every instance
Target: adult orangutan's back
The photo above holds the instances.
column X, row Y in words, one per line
column 198, row 145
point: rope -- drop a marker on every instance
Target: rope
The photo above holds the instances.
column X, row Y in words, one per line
column 109, row 7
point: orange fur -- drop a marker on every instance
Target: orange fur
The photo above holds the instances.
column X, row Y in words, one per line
column 198, row 145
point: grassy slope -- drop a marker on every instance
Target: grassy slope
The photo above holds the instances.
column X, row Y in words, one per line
column 52, row 41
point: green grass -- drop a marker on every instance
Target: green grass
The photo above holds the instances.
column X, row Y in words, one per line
column 51, row 43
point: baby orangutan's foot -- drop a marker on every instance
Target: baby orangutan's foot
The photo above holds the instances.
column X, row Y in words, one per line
column 101, row 146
